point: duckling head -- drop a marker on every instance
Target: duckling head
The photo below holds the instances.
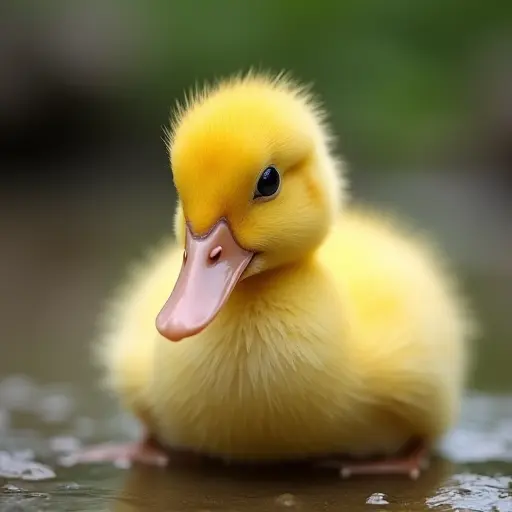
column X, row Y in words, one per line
column 258, row 188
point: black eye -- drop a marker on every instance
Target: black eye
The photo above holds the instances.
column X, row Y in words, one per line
column 268, row 184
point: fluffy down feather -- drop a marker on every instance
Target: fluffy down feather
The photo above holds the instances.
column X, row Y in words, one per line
column 347, row 333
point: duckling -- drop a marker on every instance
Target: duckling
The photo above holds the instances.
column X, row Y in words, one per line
column 283, row 322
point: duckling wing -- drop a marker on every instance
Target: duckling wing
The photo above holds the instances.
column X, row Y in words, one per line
column 409, row 325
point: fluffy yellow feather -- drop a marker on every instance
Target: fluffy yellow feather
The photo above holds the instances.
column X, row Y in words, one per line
column 345, row 333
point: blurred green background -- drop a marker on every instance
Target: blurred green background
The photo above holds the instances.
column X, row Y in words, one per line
column 420, row 96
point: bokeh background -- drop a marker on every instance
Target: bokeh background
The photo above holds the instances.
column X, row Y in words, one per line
column 420, row 95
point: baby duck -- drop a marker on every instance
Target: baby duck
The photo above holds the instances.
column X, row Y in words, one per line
column 297, row 326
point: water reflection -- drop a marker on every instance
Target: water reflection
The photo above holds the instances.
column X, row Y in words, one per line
column 293, row 489
column 471, row 473
column 474, row 492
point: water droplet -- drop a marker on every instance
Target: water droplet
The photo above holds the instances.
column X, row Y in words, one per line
column 377, row 498
column 12, row 488
column 287, row 500
column 12, row 467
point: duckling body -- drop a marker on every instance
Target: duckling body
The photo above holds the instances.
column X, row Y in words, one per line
column 356, row 345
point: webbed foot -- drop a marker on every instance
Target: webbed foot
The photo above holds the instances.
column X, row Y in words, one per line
column 146, row 451
column 411, row 463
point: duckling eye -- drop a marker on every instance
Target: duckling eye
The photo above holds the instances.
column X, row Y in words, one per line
column 268, row 184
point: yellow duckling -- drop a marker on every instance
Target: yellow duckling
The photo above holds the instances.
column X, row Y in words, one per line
column 316, row 330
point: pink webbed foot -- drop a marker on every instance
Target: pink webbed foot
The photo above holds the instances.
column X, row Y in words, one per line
column 410, row 463
column 145, row 452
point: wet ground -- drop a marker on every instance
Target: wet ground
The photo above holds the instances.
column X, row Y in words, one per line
column 62, row 257
column 41, row 423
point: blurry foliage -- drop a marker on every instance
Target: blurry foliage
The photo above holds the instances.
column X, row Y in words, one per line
column 394, row 74
column 398, row 76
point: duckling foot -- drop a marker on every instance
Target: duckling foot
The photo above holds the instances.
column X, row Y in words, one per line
column 146, row 452
column 410, row 464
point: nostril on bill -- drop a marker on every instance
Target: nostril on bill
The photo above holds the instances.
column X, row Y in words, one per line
column 215, row 254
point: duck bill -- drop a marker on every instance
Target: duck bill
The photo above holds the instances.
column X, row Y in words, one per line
column 212, row 266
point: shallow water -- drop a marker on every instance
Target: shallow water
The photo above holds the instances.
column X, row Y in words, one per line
column 39, row 424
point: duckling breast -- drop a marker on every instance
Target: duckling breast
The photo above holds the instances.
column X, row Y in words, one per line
column 267, row 380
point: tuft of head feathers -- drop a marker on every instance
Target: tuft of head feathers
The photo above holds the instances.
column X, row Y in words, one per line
column 222, row 137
